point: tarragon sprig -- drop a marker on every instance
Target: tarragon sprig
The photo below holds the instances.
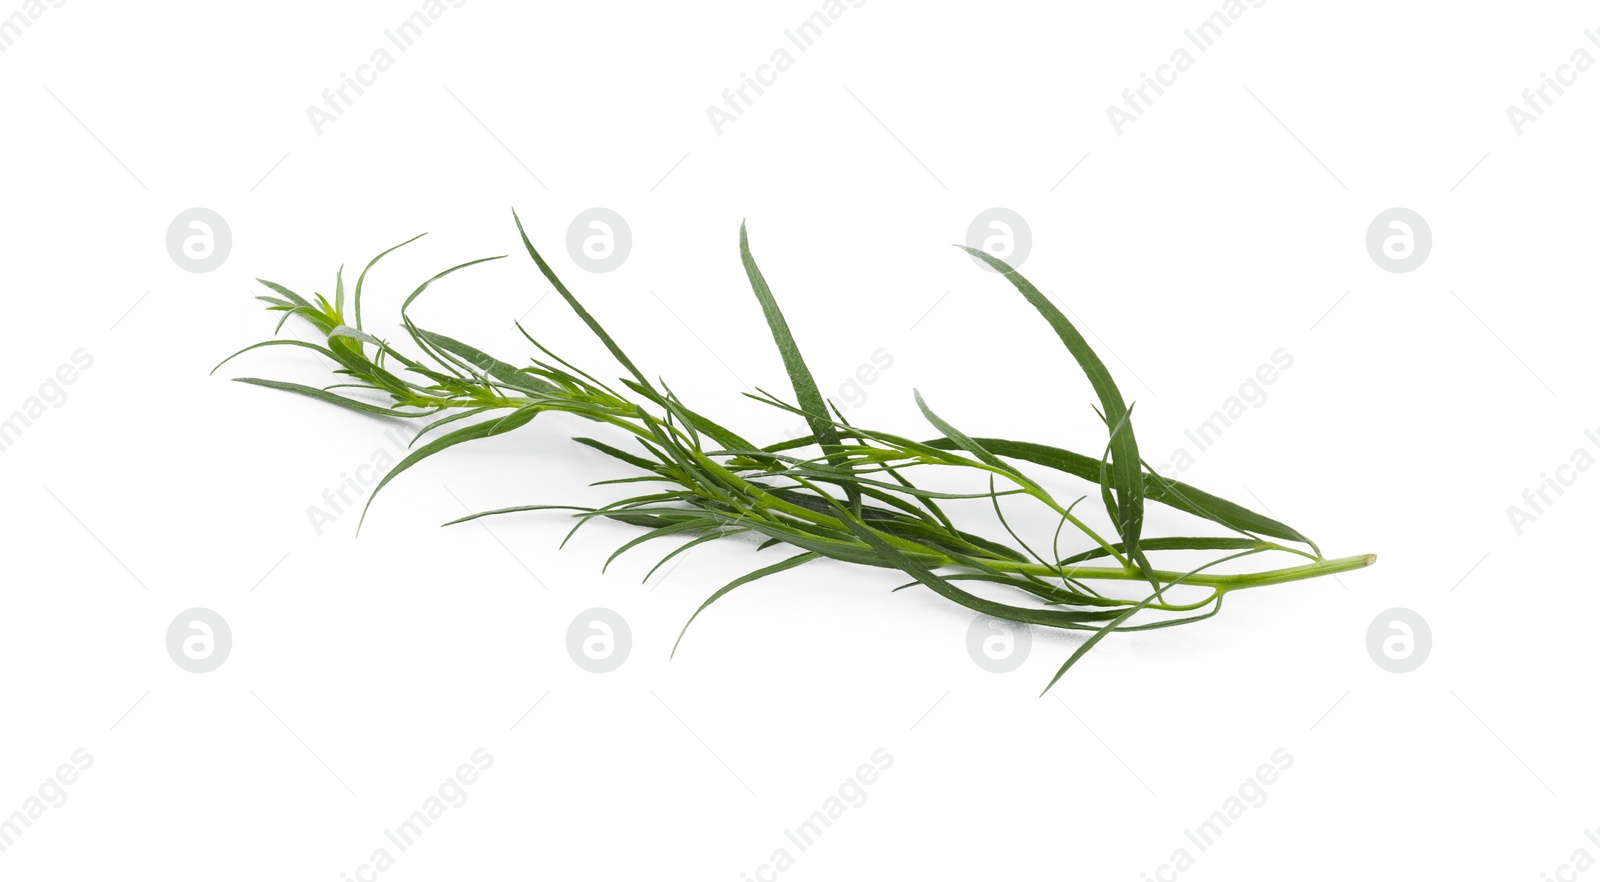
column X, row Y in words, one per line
column 852, row 501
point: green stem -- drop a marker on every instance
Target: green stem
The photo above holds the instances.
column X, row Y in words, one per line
column 1227, row 582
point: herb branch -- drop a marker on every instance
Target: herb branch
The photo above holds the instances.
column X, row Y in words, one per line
column 854, row 501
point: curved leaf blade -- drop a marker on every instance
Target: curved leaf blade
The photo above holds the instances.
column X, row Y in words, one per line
column 805, row 386
column 1125, row 463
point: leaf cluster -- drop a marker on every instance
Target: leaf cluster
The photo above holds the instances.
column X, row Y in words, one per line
column 841, row 492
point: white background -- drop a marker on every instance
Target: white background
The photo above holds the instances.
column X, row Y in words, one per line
column 1219, row 228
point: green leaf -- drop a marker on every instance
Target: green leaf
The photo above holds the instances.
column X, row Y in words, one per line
column 361, row 279
column 320, row 395
column 424, row 286
column 704, row 537
column 512, row 509
column 1055, row 618
column 613, row 452
column 320, row 350
column 507, row 374
column 354, row 334
column 292, row 297
column 747, row 578
column 726, row 437
column 805, row 387
column 1176, row 494
column 485, row 429
column 659, row 532
column 1125, row 463
column 550, row 275
column 958, row 439
column 1116, row 623
column 1098, row 636
column 461, row 414
column 1176, row 543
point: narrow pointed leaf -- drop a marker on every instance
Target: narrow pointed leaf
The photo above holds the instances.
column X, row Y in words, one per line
column 1125, row 463
column 550, row 276
column 1178, row 495
column 747, row 578
column 805, row 386
column 515, row 419
column 361, row 279
column 313, row 392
